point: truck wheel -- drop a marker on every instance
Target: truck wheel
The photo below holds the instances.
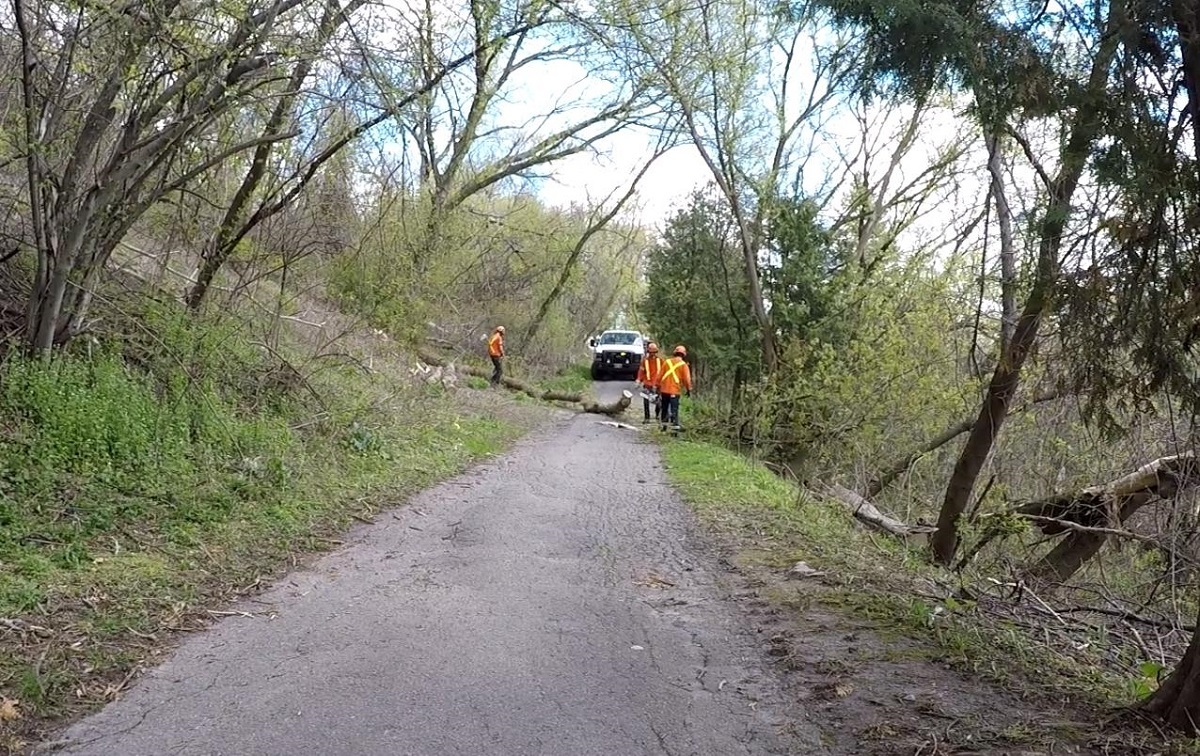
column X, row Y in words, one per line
column 596, row 374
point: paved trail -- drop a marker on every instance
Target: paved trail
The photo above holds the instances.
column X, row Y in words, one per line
column 509, row 611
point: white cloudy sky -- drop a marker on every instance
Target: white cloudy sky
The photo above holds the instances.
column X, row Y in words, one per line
column 589, row 177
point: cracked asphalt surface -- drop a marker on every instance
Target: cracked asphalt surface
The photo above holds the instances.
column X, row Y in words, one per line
column 551, row 601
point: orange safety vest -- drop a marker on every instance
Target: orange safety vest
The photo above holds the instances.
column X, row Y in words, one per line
column 650, row 371
column 496, row 345
column 675, row 376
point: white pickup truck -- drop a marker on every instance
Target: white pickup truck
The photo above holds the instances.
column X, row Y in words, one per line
column 616, row 354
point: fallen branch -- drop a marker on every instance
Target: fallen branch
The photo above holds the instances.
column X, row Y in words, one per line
column 868, row 513
column 1076, row 527
column 1129, row 616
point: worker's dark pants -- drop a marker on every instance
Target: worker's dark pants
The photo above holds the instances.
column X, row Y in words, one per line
column 647, row 404
column 669, row 408
column 498, row 373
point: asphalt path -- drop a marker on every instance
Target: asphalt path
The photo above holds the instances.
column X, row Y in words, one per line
column 554, row 600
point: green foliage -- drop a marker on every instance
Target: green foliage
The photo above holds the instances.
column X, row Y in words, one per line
column 1006, row 56
column 91, row 447
column 495, row 259
column 802, row 279
column 888, row 378
column 697, row 294
column 1149, row 675
column 157, row 471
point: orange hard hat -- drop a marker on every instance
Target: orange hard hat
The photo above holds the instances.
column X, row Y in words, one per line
column 652, row 347
column 681, row 350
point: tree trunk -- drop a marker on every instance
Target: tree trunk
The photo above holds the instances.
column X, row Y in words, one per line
column 612, row 408
column 1078, row 547
column 1008, row 255
column 1177, row 701
column 1187, row 22
column 1005, row 381
column 1007, row 376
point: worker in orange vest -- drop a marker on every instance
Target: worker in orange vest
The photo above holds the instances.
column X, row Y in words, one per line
column 675, row 379
column 648, row 375
column 496, row 352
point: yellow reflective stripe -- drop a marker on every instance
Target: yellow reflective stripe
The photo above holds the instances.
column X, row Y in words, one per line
column 671, row 368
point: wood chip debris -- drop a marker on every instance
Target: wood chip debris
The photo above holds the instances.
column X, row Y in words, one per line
column 654, row 581
column 803, row 570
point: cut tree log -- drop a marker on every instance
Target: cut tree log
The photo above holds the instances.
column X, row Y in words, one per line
column 866, row 512
column 612, row 408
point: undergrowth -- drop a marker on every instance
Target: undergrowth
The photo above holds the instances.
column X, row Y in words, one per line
column 877, row 578
column 573, row 379
column 143, row 478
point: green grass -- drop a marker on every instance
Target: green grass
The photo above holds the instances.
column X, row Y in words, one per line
column 131, row 498
column 873, row 577
column 576, row 378
column 733, row 492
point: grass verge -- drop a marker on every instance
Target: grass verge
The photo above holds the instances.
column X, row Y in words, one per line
column 148, row 481
column 876, row 579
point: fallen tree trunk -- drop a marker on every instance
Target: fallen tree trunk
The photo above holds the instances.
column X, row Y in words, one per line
column 1075, row 550
column 1105, row 506
column 586, row 403
column 866, row 512
column 1089, row 517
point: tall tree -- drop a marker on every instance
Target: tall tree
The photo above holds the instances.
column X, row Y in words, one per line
column 1014, row 65
column 737, row 77
column 466, row 135
column 119, row 110
column 267, row 188
column 697, row 291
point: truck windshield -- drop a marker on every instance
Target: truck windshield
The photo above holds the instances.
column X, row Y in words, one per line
column 622, row 338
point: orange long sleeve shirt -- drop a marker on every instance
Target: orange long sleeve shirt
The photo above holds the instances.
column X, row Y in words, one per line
column 496, row 345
